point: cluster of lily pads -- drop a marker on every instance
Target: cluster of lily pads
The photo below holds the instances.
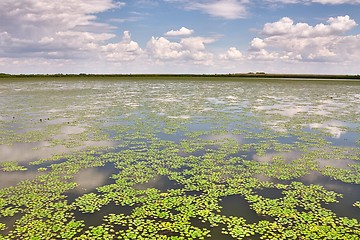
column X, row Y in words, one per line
column 176, row 155
column 11, row 167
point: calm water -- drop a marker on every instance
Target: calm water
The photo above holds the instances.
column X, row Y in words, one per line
column 235, row 152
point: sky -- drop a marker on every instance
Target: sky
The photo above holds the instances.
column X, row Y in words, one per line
column 180, row 36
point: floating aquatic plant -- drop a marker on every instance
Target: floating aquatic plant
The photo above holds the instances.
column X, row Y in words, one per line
column 11, row 167
column 172, row 157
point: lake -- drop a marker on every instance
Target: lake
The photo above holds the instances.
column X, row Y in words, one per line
column 179, row 159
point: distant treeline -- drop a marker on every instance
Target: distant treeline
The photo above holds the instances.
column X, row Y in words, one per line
column 232, row 75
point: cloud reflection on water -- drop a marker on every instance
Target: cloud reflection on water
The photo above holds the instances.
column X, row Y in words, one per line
column 27, row 152
column 89, row 179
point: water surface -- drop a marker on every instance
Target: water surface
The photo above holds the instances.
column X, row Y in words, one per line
column 179, row 159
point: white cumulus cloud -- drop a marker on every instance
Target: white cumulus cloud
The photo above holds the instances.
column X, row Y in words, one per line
column 287, row 40
column 162, row 48
column 53, row 29
column 190, row 49
column 181, row 32
column 286, row 26
column 257, row 44
column 123, row 51
column 232, row 54
column 31, row 18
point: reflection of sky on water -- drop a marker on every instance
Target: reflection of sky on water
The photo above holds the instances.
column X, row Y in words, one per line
column 93, row 219
column 334, row 127
column 58, row 120
column 236, row 205
column 282, row 109
column 8, row 179
column 287, row 156
column 320, row 107
column 239, row 139
column 27, row 152
column 161, row 182
column 351, row 194
column 294, row 155
column 167, row 98
column 347, row 139
column 72, row 129
column 292, row 109
column 180, row 117
column 340, row 163
column 89, row 179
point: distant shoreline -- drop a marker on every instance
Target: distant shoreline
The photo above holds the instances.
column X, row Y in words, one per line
column 239, row 76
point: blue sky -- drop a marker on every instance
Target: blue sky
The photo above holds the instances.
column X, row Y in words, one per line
column 180, row 36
